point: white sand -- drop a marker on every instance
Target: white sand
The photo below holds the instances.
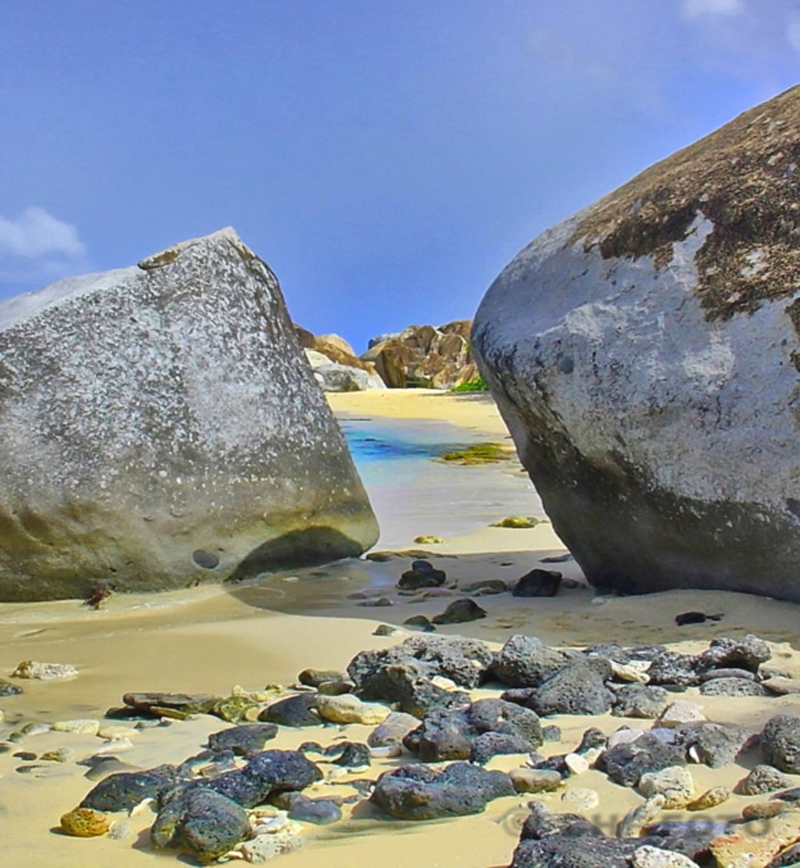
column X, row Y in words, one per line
column 208, row 640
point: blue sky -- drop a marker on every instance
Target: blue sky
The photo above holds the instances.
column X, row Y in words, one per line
column 386, row 157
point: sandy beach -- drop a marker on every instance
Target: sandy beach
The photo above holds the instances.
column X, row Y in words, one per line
column 211, row 639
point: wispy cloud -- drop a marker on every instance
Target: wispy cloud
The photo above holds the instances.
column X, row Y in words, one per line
column 699, row 8
column 36, row 246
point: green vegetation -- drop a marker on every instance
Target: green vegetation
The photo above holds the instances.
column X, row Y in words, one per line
column 517, row 521
column 476, row 384
column 480, row 453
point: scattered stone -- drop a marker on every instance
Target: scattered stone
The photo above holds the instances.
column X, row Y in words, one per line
column 315, row 677
column 460, row 611
column 125, row 790
column 643, row 701
column 626, row 763
column 782, row 686
column 673, row 669
column 756, row 843
column 428, row 540
column 44, row 671
column 294, row 711
column 386, row 630
column 715, row 744
column 350, row 709
column 654, row 857
column 732, row 687
column 781, row 743
column 377, row 602
column 630, row 826
column 263, row 848
column 486, row 587
column 392, row 730
column 319, row 812
column 577, row 688
column 695, row 618
column 161, row 704
column 350, row 755
column 763, row 779
column 420, row 622
column 551, row 732
column 202, row 821
column 417, row 792
column 581, row 798
column 725, row 653
column 766, row 810
column 525, row 661
column 538, row 583
column 576, row 764
column 85, row 823
column 79, row 727
column 674, row 783
column 421, row 575
column 245, row 740
column 634, row 672
column 679, row 713
column 59, row 755
column 710, row 799
column 535, row 780
column 9, row 689
column 115, row 732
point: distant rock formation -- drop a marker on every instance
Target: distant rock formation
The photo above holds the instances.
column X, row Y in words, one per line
column 335, row 365
column 424, row 356
column 160, row 428
column 645, row 355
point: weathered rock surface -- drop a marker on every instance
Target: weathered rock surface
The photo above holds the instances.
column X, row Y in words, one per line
column 644, row 354
column 160, row 427
column 424, row 356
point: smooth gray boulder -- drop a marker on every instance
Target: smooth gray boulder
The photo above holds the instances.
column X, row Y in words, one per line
column 645, row 355
column 161, row 427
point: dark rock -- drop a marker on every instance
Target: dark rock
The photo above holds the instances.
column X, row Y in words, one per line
column 786, row 858
column 414, row 694
column 123, row 791
column 315, row 677
column 642, row 701
column 460, row 611
column 732, row 687
column 614, row 651
column 270, row 771
column 421, row 575
column 578, row 688
column 320, row 812
column 420, row 622
column 393, row 730
column 692, row 838
column 538, row 583
column 451, row 735
column 245, row 740
column 9, row 689
column 626, row 763
column 790, row 795
column 201, row 821
column 492, row 744
column 763, row 779
column 591, row 739
column 525, row 661
column 351, row 755
column 551, row 733
column 695, row 618
column 715, row 744
column 724, row 653
column 294, row 711
column 417, row 792
column 780, row 742
column 462, row 660
column 673, row 668
column 711, row 674
column 154, row 703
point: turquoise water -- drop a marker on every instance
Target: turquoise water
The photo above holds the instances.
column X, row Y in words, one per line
column 413, row 494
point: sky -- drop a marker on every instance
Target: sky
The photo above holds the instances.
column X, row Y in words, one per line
column 386, row 158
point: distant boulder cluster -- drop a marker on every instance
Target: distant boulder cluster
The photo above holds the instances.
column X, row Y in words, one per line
column 418, row 357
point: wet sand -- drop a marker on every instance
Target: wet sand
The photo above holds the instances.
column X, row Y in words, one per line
column 213, row 638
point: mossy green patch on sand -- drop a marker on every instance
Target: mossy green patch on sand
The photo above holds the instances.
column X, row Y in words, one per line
column 480, row 453
column 517, row 521
column 476, row 384
column 428, row 540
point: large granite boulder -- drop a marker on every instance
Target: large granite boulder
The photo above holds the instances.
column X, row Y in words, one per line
column 424, row 356
column 160, row 427
column 645, row 355
column 336, row 367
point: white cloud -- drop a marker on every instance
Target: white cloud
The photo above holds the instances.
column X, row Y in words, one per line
column 793, row 32
column 698, row 8
column 36, row 234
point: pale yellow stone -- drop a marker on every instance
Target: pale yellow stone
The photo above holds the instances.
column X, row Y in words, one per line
column 350, row 709
column 756, row 843
column 79, row 726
